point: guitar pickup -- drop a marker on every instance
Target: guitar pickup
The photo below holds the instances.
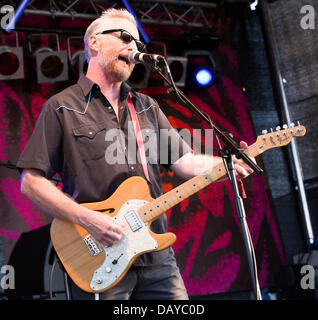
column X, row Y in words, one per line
column 133, row 220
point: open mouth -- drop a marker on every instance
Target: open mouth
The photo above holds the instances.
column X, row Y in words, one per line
column 125, row 59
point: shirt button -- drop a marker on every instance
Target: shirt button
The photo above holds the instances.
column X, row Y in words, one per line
column 90, row 132
column 109, row 108
column 132, row 168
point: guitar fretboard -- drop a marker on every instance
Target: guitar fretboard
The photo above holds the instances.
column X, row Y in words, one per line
column 157, row 207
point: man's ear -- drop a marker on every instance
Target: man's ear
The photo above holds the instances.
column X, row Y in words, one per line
column 93, row 42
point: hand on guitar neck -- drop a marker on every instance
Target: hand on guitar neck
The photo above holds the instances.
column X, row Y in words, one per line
column 241, row 168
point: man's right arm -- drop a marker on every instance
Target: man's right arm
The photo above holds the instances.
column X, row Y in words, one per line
column 53, row 201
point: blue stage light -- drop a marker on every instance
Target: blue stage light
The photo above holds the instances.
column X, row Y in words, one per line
column 204, row 77
column 202, row 72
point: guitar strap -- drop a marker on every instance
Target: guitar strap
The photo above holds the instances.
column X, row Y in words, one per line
column 139, row 137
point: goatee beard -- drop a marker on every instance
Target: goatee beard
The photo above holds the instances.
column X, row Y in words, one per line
column 111, row 68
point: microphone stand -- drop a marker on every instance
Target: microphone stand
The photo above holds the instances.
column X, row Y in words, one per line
column 231, row 148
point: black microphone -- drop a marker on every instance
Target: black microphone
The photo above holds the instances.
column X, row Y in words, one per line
column 136, row 56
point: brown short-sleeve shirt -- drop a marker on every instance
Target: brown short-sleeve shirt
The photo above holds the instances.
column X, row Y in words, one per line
column 79, row 136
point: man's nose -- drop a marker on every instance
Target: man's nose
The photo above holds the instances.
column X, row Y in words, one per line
column 131, row 45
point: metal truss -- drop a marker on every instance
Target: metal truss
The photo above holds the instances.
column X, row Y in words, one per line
column 177, row 13
column 159, row 12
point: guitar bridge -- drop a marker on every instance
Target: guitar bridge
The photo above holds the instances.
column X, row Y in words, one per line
column 93, row 247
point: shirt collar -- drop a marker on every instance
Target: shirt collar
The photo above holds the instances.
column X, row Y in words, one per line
column 124, row 91
column 86, row 84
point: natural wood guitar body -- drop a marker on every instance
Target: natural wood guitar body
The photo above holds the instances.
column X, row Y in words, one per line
column 67, row 238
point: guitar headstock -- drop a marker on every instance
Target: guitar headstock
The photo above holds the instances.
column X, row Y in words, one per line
column 279, row 137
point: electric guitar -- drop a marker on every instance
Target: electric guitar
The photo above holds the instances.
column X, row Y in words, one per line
column 96, row 268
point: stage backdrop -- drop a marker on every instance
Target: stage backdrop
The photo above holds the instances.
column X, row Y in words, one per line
column 209, row 249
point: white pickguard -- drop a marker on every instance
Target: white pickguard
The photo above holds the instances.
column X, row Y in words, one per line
column 131, row 244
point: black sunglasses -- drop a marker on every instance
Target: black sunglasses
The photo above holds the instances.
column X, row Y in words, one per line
column 126, row 37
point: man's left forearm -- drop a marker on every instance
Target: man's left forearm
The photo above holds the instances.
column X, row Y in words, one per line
column 191, row 165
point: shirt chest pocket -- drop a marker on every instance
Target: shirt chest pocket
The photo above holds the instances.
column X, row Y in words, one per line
column 90, row 140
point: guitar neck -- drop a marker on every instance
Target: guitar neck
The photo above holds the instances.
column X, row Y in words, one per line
column 157, row 207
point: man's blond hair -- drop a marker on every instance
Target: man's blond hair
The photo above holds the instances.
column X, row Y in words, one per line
column 96, row 25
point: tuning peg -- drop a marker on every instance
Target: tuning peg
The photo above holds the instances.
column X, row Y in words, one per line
column 291, row 125
column 277, row 128
column 298, row 124
column 272, row 130
column 285, row 126
column 264, row 131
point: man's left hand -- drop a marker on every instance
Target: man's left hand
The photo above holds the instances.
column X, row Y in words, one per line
column 242, row 170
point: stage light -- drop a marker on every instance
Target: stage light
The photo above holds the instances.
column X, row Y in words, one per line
column 200, row 76
column 201, row 71
column 51, row 65
column 204, row 76
column 77, row 57
column 78, row 62
column 254, row 5
column 178, row 69
column 11, row 62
